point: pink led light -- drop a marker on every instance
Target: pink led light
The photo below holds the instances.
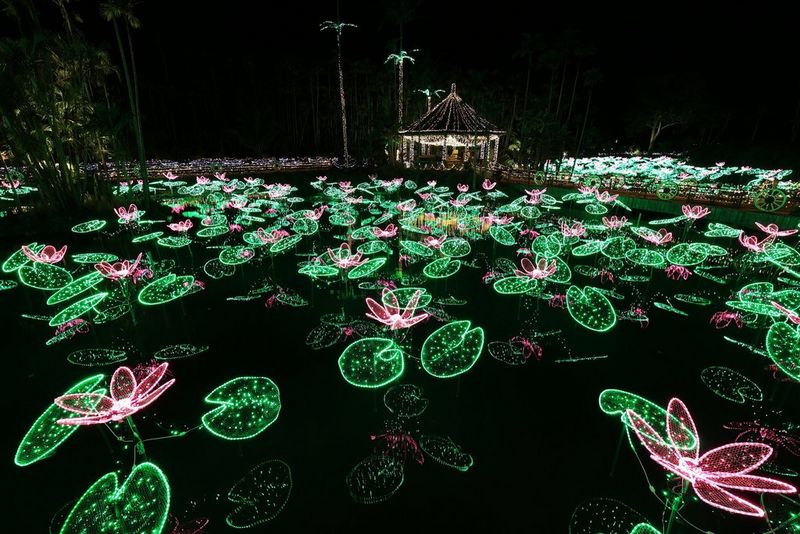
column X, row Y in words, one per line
column 434, row 242
column 462, row 188
column 221, row 176
column 793, row 317
column 723, row 319
column 658, row 238
column 534, row 196
column 715, row 472
column 389, row 231
column 694, row 212
column 678, row 272
column 488, row 185
column 120, row 269
column 605, row 197
column 538, row 271
column 272, row 237
column 169, row 175
column 587, row 190
column 575, row 230
column 773, row 230
column 343, row 257
column 390, row 314
column 614, row 222
column 202, row 180
column 751, row 242
column 127, row 215
column 128, row 396
column 48, row 254
column 181, row 226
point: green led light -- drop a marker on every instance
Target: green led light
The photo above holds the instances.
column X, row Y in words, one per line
column 415, row 248
column 73, row 311
column 177, row 352
column 446, row 452
column 165, row 289
column 375, row 478
column 285, row 244
column 76, row 287
column 455, row 248
column 89, row 226
column 452, row 349
column 591, row 309
column 94, row 257
column 366, row 268
column 213, row 231
column 248, row 405
column 783, row 347
column 371, row 362
column 236, row 255
column 442, row 268
column 173, row 241
column 260, row 495
column 96, row 357
column 502, row 236
column 18, row 258
column 514, row 285
column 140, row 504
column 617, row 247
column 684, row 254
column 44, row 276
column 147, row 237
column 45, row 435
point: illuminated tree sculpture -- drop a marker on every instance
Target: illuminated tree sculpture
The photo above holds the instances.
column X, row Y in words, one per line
column 338, row 26
column 452, row 349
column 714, row 473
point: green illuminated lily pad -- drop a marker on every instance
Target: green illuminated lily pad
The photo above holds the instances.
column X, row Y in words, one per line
column 165, row 289
column 590, row 308
column 45, row 435
column 89, row 226
column 77, row 309
column 18, row 258
column 502, row 236
column 452, row 349
column 44, row 276
column 140, row 504
column 372, row 362
column 248, row 405
column 236, row 255
column 366, row 268
column 783, row 347
column 76, row 287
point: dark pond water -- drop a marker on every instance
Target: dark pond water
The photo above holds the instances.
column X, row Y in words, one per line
column 540, row 443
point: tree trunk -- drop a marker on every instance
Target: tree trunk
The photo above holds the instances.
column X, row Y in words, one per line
column 138, row 119
column 341, row 96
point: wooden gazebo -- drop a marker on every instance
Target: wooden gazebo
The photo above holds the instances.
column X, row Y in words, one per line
column 450, row 135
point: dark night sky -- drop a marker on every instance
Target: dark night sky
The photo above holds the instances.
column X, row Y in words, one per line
column 747, row 59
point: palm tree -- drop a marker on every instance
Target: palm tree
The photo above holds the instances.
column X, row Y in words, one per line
column 338, row 27
column 428, row 92
column 398, row 60
column 112, row 11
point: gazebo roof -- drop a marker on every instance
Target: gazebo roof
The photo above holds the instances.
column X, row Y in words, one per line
column 451, row 116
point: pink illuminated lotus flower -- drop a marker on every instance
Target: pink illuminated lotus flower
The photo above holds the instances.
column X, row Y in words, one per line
column 772, row 229
column 575, row 230
column 322, row 178
column 178, row 208
column 431, row 183
column 694, row 212
column 390, row 314
column 408, row 205
column 229, row 188
column 235, row 227
column 389, row 231
column 128, row 396
column 462, row 188
column 181, row 226
column 127, row 215
column 459, row 203
column 587, row 189
column 120, row 269
column 605, row 197
column 317, row 212
column 714, row 473
column 48, row 254
column 202, row 180
column 13, row 184
column 614, row 222
column 751, row 242
column 272, row 237
column 169, row 175
column 535, row 196
column 538, row 271
column 488, row 185
column 344, row 258
column 434, row 242
column 678, row 272
column 221, row 176
column 658, row 238
column 344, row 185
